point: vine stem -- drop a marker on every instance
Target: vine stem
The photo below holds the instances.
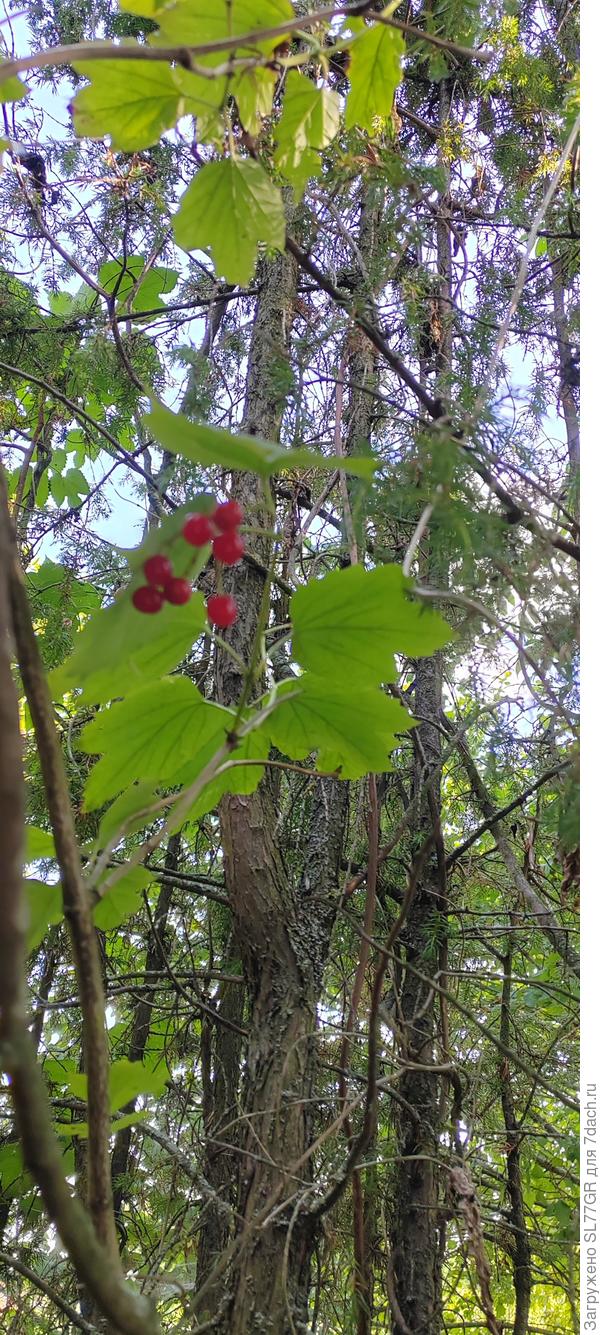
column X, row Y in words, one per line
column 90, row 1242
column 76, row 902
column 185, row 800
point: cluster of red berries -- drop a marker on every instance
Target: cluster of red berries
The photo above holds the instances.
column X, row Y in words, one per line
column 221, row 529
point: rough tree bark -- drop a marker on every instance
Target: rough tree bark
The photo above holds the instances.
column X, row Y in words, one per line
column 281, row 931
column 155, row 959
column 415, row 1233
column 521, row 1256
column 413, row 1217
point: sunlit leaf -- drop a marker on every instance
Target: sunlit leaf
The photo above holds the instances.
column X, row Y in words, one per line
column 150, row 735
column 354, row 621
column 209, row 445
column 354, row 731
column 230, row 207
column 375, row 72
column 133, row 101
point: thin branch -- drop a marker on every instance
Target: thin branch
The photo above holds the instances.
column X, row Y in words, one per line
column 76, row 901
column 45, row 1288
column 184, row 55
column 543, row 915
column 442, row 43
column 505, row 811
column 416, row 538
column 85, row 417
column 522, row 274
column 435, row 408
column 470, row 1015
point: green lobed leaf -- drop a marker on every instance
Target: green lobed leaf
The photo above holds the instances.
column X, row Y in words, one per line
column 42, row 491
column 374, row 73
column 14, row 1181
column 195, row 21
column 121, row 279
column 309, row 120
column 166, row 538
column 44, row 909
column 76, row 483
column 354, row 621
column 126, row 1081
column 236, row 779
column 202, row 98
column 133, row 101
column 58, row 489
column 119, row 649
column 122, row 900
column 209, row 445
column 353, row 731
column 231, row 207
column 253, row 90
column 127, row 812
column 150, row 735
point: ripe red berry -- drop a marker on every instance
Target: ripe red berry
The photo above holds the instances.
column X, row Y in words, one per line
column 198, row 530
column 178, row 591
column 229, row 548
column 147, row 599
column 158, row 570
column 222, row 610
column 228, row 516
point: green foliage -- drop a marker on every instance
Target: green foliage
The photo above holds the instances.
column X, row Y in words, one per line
column 190, row 21
column 126, row 283
column 127, row 1080
column 375, row 57
column 38, row 844
column 149, row 736
column 355, row 621
column 118, row 649
column 280, row 380
column 13, row 1181
column 309, row 121
column 123, row 814
column 230, row 208
column 353, row 732
column 11, row 88
column 122, row 900
column 208, row 445
column 131, row 100
column 44, row 904
column 235, row 776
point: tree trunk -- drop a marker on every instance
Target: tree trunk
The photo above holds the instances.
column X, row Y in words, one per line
column 416, row 1228
column 141, row 1029
column 522, row 1250
column 221, row 1063
column 281, row 932
column 414, row 1224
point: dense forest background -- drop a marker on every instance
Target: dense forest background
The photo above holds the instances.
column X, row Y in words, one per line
column 289, row 992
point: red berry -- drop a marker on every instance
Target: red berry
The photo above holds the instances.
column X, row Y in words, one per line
column 158, row 570
column 178, row 591
column 198, row 530
column 222, row 610
column 229, row 548
column 228, row 515
column 147, row 599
